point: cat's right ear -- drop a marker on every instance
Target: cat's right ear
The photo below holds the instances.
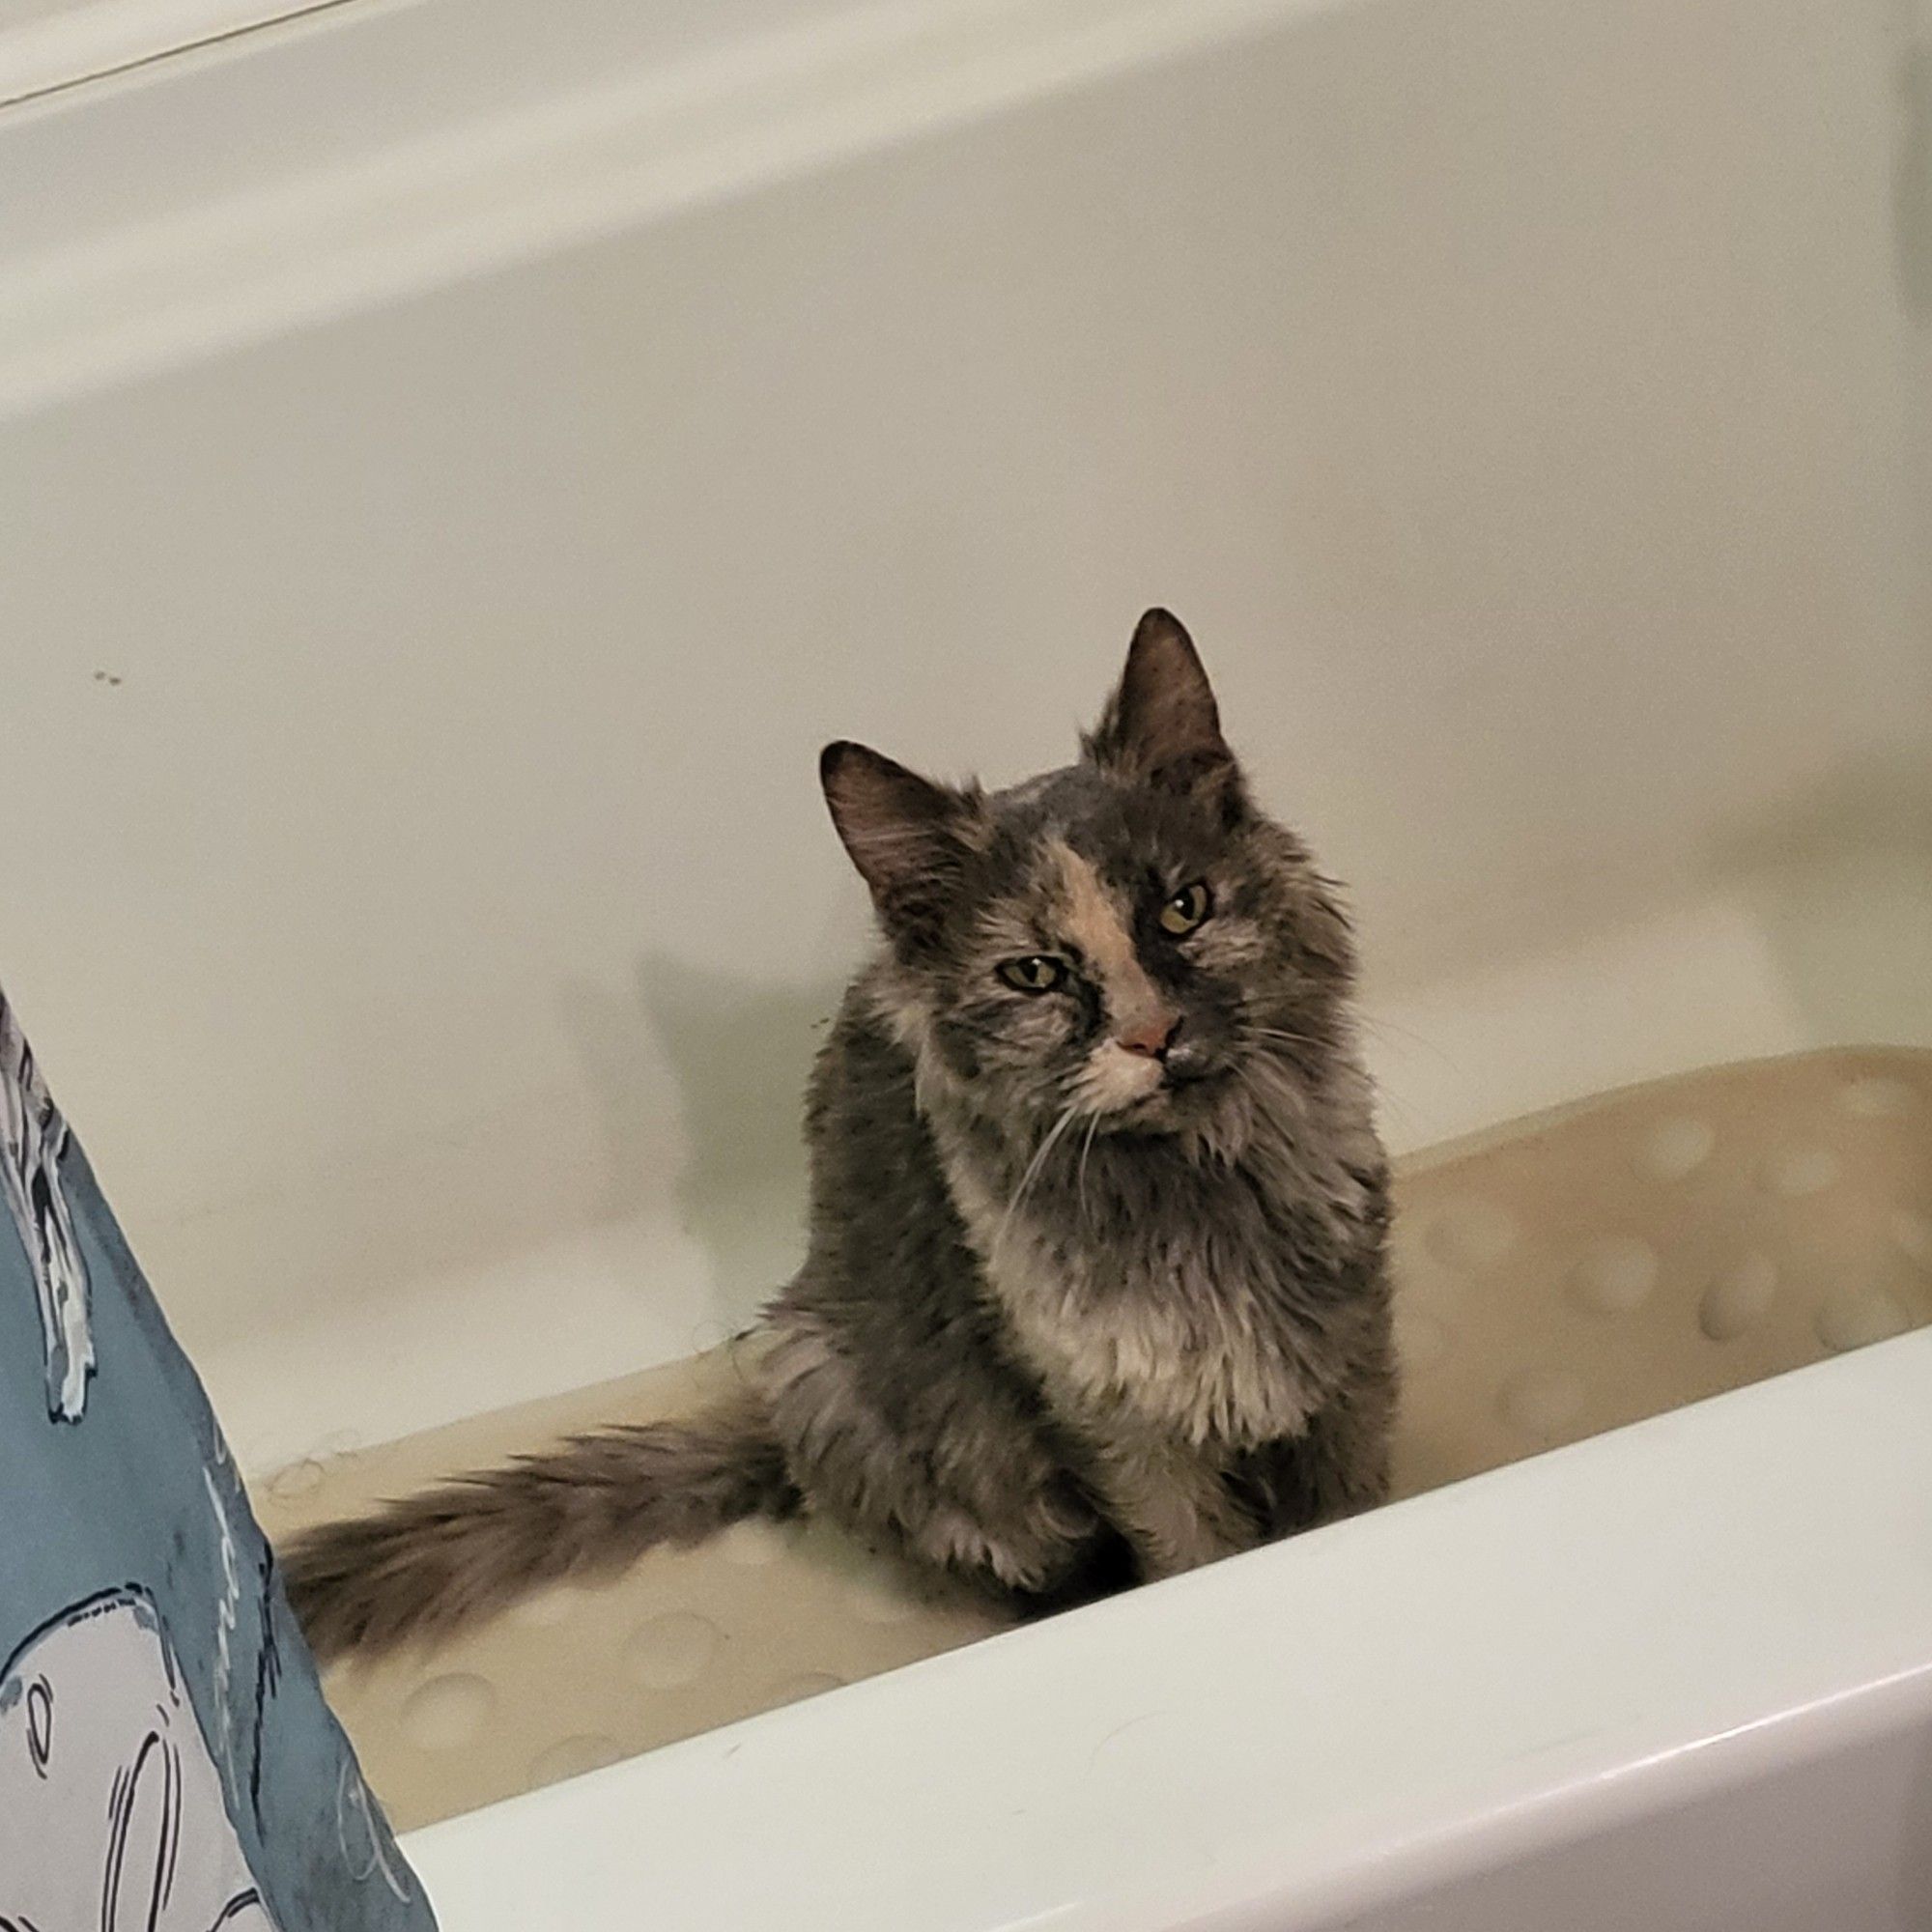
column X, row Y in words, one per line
column 1162, row 728
column 907, row 835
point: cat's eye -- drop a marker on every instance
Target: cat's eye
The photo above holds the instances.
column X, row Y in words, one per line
column 1036, row 972
column 1185, row 910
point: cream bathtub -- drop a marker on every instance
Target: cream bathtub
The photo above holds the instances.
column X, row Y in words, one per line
column 459, row 463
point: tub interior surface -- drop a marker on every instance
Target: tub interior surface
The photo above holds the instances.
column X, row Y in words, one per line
column 1569, row 1276
column 1603, row 1675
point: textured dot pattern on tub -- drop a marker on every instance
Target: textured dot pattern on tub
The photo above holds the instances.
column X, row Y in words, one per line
column 1562, row 1276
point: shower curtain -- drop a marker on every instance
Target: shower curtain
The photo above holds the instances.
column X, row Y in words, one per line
column 167, row 1763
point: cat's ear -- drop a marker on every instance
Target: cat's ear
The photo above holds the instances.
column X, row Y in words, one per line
column 908, row 836
column 1162, row 728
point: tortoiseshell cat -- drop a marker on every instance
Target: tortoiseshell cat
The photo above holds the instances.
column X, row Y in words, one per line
column 1095, row 1288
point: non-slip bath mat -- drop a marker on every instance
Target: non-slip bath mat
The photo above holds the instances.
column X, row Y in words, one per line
column 1558, row 1277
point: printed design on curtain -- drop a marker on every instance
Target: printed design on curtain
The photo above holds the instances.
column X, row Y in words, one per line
column 111, row 1811
column 167, row 1763
column 33, row 1137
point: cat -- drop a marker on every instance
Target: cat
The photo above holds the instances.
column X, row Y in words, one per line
column 1096, row 1289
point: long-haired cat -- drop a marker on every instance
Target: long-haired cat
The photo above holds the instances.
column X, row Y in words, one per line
column 1095, row 1286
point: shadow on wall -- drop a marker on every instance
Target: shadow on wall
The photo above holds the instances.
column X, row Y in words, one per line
column 1841, row 883
column 740, row 1051
column 475, row 1193
column 689, row 1099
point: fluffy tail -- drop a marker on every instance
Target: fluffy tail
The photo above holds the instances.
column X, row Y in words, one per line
column 434, row 1563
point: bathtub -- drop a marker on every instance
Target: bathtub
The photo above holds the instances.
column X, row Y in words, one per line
column 460, row 462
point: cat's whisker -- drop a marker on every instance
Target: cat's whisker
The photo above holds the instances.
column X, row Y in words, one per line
column 1269, row 1045
column 1407, row 1036
column 1086, row 1148
column 1274, row 1094
column 1032, row 1173
column 1283, row 1035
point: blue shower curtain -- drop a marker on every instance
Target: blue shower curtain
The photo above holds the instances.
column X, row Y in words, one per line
column 166, row 1760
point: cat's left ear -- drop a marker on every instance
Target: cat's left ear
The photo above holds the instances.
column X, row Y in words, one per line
column 1162, row 728
column 909, row 837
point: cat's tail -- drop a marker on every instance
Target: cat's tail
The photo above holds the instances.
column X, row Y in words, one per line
column 435, row 1563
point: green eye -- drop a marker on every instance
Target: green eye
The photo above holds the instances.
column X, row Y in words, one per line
column 1185, row 910
column 1036, row 972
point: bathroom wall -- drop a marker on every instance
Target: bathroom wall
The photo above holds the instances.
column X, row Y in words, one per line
column 419, row 891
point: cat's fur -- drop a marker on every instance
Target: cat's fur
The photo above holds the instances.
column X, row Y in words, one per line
column 1086, row 1299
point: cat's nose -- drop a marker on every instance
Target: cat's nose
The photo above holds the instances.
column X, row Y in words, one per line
column 1151, row 1037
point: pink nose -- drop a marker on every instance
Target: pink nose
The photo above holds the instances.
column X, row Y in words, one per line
column 1150, row 1037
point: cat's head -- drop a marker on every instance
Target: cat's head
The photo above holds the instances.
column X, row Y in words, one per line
column 1126, row 943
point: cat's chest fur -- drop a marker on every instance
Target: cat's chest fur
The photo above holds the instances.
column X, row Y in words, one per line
column 1189, row 1324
